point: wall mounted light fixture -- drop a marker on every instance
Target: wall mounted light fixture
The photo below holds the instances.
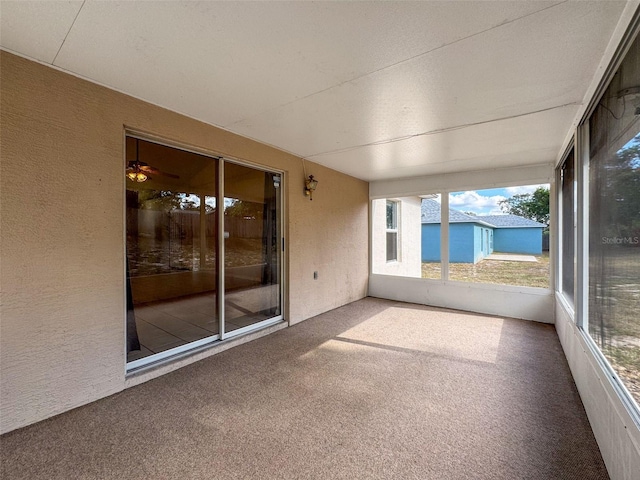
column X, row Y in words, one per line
column 310, row 185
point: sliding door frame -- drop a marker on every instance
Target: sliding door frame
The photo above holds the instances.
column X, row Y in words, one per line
column 222, row 335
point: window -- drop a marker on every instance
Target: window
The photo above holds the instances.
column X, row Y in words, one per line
column 407, row 233
column 497, row 236
column 395, row 236
column 567, row 226
column 392, row 231
column 175, row 239
column 614, row 222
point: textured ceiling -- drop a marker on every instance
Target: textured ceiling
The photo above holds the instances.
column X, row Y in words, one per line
column 377, row 90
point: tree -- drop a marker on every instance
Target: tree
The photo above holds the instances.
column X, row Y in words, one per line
column 534, row 206
column 620, row 190
column 243, row 209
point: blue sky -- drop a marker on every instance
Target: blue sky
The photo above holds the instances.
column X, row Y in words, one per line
column 485, row 202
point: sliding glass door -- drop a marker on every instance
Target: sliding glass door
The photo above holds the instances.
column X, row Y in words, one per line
column 251, row 246
column 180, row 250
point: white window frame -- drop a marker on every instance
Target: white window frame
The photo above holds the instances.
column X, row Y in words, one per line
column 395, row 230
column 559, row 271
column 582, row 179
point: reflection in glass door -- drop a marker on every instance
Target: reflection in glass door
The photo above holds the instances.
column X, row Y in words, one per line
column 196, row 273
column 172, row 249
column 252, row 240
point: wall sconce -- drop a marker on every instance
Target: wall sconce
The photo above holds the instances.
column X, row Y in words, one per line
column 310, row 185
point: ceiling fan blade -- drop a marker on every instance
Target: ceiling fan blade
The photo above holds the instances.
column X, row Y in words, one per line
column 139, row 166
column 155, row 171
column 170, row 175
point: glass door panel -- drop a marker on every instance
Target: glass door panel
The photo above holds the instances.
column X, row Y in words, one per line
column 252, row 286
column 175, row 250
column 172, row 260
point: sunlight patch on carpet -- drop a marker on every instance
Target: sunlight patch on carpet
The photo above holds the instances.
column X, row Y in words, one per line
column 452, row 334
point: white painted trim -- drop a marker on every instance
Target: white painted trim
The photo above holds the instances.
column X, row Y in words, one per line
column 554, row 259
column 455, row 182
column 372, row 212
column 557, row 223
column 615, row 430
column 560, row 298
column 444, row 236
column 396, row 230
column 581, row 299
column 616, row 383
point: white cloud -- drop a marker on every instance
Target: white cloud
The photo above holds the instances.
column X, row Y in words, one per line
column 472, row 201
column 524, row 189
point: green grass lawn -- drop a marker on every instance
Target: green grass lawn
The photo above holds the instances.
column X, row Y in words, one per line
column 527, row 274
column 625, row 360
column 614, row 318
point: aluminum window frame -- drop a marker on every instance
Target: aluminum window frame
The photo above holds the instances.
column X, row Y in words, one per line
column 582, row 163
column 559, row 227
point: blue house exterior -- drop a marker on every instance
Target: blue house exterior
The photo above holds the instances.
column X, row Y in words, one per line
column 518, row 240
column 430, row 240
column 514, row 234
column 472, row 238
column 466, row 244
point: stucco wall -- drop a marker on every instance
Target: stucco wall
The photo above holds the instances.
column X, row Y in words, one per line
column 518, row 240
column 409, row 238
column 62, row 193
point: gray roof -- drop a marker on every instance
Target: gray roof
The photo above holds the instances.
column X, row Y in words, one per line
column 505, row 221
column 431, row 214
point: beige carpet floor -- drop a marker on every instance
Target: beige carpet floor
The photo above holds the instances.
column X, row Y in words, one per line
column 375, row 389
